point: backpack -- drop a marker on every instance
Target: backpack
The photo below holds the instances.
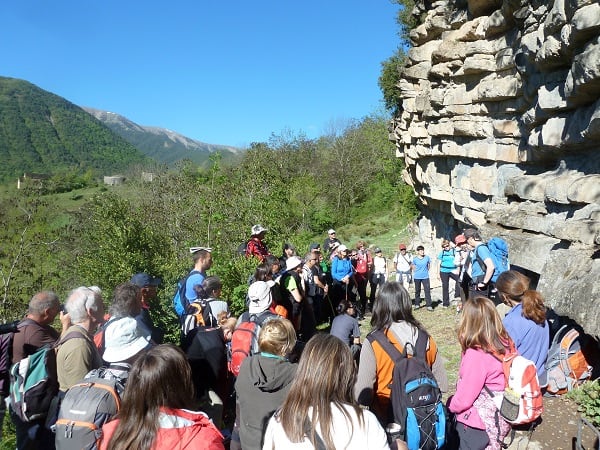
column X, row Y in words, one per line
column 199, row 314
column 416, row 400
column 521, row 401
column 566, row 366
column 85, row 407
column 34, row 382
column 6, row 351
column 180, row 301
column 244, row 341
column 498, row 248
column 241, row 249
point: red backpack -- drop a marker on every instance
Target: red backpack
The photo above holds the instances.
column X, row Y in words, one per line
column 244, row 341
column 522, row 399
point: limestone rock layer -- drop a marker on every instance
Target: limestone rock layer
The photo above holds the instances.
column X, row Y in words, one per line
column 500, row 129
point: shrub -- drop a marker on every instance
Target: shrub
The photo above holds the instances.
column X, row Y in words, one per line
column 587, row 397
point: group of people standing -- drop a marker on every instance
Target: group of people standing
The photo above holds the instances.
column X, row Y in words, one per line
column 330, row 394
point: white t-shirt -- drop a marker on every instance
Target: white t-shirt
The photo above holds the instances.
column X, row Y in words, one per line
column 371, row 436
column 402, row 262
column 379, row 264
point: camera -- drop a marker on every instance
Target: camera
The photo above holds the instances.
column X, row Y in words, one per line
column 9, row 327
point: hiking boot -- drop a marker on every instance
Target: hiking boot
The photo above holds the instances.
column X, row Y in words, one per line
column 416, row 306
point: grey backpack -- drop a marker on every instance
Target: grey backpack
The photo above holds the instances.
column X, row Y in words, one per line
column 85, row 408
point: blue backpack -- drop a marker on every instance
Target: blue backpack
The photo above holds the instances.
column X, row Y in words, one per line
column 416, row 403
column 498, row 248
column 180, row 302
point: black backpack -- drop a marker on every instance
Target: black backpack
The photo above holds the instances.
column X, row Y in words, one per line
column 416, row 400
column 87, row 406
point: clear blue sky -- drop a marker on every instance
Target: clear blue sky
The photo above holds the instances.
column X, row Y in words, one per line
column 219, row 72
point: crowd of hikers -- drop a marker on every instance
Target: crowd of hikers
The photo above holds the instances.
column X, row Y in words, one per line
column 291, row 371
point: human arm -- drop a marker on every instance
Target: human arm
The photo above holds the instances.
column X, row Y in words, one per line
column 292, row 287
column 365, row 380
column 472, row 375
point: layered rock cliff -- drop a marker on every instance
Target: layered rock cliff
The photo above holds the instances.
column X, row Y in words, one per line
column 500, row 129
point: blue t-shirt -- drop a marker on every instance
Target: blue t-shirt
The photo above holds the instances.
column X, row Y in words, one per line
column 193, row 280
column 477, row 271
column 421, row 267
column 345, row 327
column 532, row 340
column 447, row 260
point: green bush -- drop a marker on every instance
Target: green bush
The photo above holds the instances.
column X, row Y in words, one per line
column 587, row 397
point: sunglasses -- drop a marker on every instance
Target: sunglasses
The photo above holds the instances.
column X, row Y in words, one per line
column 197, row 249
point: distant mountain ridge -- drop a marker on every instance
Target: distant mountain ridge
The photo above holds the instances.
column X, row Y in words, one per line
column 161, row 144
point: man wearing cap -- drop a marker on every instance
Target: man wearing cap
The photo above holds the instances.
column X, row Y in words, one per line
column 256, row 246
column 403, row 266
column 328, row 245
column 148, row 286
column 202, row 258
column 481, row 274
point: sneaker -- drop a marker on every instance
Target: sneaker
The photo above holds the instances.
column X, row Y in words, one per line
column 430, row 308
column 416, row 306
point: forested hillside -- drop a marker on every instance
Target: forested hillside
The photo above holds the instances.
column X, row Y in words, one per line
column 349, row 179
column 42, row 132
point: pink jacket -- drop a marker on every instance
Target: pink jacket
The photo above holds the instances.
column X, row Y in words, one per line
column 178, row 429
column 477, row 368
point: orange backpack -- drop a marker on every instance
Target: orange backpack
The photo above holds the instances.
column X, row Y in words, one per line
column 566, row 365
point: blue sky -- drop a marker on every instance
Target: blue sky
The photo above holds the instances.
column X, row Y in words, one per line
column 219, row 72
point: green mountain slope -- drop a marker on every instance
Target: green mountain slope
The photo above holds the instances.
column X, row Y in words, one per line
column 42, row 132
column 161, row 144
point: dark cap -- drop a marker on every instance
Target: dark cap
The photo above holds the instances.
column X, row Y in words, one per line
column 143, row 280
column 315, row 247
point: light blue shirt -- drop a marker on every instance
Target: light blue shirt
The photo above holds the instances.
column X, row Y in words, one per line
column 532, row 340
column 421, row 267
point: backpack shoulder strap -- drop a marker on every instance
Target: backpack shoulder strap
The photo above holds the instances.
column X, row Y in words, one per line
column 68, row 337
column 420, row 347
column 388, row 347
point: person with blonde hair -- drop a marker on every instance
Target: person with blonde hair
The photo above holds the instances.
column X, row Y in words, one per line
column 156, row 409
column 264, row 381
column 319, row 410
column 526, row 321
column 483, row 340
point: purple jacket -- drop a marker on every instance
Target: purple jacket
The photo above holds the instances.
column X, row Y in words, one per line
column 477, row 368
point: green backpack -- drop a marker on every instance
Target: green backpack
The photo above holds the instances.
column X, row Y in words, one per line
column 34, row 382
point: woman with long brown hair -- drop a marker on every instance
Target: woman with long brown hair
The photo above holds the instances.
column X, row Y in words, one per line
column 319, row 410
column 483, row 340
column 526, row 321
column 155, row 411
column 392, row 314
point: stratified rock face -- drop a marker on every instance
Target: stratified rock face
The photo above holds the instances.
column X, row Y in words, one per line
column 500, row 129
